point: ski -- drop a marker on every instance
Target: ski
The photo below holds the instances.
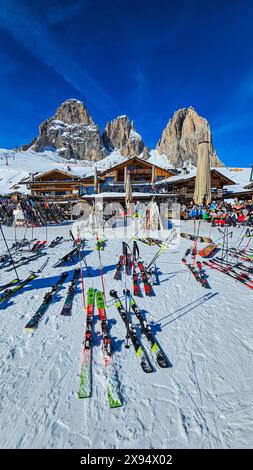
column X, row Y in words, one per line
column 40, row 246
column 165, row 244
column 196, row 237
column 203, row 279
column 55, row 242
column 231, row 268
column 26, row 260
column 131, row 333
column 235, row 276
column 239, row 265
column 47, row 300
column 67, row 307
column 10, row 292
column 161, row 359
column 9, row 284
column 37, row 243
column 70, row 255
column 119, row 266
column 193, row 270
column 85, row 387
column 135, row 283
column 147, row 286
column 128, row 264
column 113, row 393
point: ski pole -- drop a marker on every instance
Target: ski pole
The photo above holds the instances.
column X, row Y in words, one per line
column 6, row 244
column 101, row 270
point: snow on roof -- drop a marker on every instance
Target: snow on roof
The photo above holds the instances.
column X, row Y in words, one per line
column 241, row 177
column 192, row 174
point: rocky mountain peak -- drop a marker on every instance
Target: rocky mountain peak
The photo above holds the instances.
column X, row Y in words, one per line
column 181, row 136
column 73, row 111
column 72, row 132
column 120, row 134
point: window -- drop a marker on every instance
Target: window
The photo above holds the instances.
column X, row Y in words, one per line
column 131, row 167
column 109, row 179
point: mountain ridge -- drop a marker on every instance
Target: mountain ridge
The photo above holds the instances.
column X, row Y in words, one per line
column 74, row 134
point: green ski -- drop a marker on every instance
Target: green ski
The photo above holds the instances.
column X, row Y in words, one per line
column 10, row 292
column 85, row 388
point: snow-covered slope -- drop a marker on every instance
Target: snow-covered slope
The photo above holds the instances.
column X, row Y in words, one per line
column 203, row 401
column 20, row 164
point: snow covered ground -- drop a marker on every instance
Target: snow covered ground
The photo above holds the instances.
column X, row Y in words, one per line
column 204, row 400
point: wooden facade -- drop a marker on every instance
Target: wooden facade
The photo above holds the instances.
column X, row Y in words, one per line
column 184, row 186
column 140, row 171
column 65, row 185
column 55, row 184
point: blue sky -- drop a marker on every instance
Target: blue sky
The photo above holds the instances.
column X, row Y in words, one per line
column 140, row 58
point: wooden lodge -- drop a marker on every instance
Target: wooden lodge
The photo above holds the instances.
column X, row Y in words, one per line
column 147, row 180
column 183, row 184
column 140, row 171
column 57, row 184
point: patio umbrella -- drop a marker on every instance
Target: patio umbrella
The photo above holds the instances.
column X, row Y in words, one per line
column 95, row 179
column 153, row 177
column 125, row 177
column 129, row 195
column 202, row 190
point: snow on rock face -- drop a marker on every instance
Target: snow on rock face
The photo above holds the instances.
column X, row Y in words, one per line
column 120, row 134
column 72, row 132
column 181, row 136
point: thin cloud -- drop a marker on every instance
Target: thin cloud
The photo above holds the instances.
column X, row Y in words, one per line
column 35, row 36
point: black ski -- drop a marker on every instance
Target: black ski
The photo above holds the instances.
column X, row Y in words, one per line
column 10, row 292
column 48, row 297
column 119, row 267
column 67, row 307
column 131, row 333
column 161, row 359
column 66, row 257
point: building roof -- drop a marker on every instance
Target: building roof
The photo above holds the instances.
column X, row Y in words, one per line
column 140, row 160
column 192, row 175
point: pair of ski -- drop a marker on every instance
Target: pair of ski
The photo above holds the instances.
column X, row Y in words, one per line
column 199, row 238
column 85, row 387
column 38, row 246
column 197, row 272
column 231, row 272
column 55, row 242
column 145, row 278
column 8, row 293
column 141, row 353
column 33, row 323
column 69, row 256
column 123, row 261
column 150, row 241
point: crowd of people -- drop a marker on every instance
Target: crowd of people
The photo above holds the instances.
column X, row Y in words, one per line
column 221, row 213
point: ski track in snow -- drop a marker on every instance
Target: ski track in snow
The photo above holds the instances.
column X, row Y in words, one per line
column 203, row 401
